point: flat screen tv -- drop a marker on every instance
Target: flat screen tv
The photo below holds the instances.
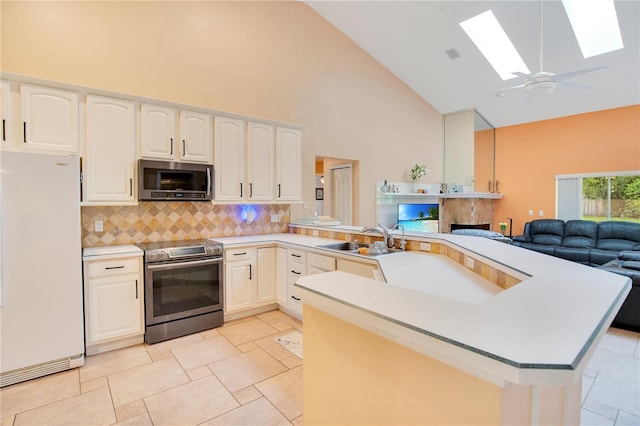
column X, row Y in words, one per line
column 418, row 217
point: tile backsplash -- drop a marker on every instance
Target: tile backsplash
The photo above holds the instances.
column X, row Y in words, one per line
column 172, row 221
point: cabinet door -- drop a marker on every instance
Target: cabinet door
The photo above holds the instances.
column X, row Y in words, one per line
column 110, row 160
column 229, row 158
column 5, row 95
column 266, row 266
column 288, row 164
column 114, row 308
column 157, row 132
column 196, row 143
column 49, row 119
column 238, row 282
column 261, row 148
column 282, row 276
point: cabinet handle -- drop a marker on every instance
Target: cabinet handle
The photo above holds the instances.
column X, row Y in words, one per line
column 136, row 289
column 24, row 131
column 296, row 255
column 240, row 189
column 250, row 190
column 295, row 298
column 131, row 187
column 4, row 132
column 250, row 271
column 297, row 273
column 278, row 190
column 240, row 254
column 114, row 267
column 184, row 147
column 171, row 146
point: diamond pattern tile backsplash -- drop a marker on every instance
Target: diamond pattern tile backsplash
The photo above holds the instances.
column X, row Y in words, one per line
column 173, row 221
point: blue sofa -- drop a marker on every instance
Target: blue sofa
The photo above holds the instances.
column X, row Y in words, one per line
column 583, row 241
column 613, row 246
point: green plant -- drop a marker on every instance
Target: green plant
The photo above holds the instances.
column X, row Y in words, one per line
column 417, row 171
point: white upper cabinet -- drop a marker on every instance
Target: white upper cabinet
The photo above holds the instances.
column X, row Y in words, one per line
column 109, row 166
column 159, row 139
column 49, row 119
column 288, row 164
column 229, row 158
column 5, row 113
column 261, row 145
column 157, row 132
column 256, row 162
column 195, row 137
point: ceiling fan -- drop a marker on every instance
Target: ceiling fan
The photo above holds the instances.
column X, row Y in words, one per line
column 544, row 83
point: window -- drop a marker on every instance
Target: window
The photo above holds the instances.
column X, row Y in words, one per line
column 599, row 197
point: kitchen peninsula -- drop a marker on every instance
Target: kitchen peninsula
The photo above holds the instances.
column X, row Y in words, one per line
column 456, row 330
column 397, row 352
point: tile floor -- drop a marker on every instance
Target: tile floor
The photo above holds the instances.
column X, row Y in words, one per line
column 239, row 375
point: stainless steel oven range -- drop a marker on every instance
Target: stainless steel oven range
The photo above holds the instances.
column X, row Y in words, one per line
column 183, row 283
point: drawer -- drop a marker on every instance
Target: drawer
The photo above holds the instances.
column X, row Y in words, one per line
column 294, row 273
column 298, row 256
column 102, row 268
column 231, row 255
column 323, row 263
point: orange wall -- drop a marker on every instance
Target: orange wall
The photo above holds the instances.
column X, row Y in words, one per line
column 529, row 156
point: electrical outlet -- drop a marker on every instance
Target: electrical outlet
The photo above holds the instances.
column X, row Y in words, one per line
column 305, row 205
column 530, row 212
column 468, row 261
column 541, row 212
column 275, row 218
column 315, row 233
column 425, row 246
column 98, row 226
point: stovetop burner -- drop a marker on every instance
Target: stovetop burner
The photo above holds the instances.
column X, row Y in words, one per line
column 168, row 250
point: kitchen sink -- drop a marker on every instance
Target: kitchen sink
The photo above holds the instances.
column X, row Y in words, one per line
column 354, row 247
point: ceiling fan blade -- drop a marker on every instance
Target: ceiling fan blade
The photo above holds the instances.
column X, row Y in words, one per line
column 521, row 74
column 566, row 75
column 503, row 89
column 574, row 85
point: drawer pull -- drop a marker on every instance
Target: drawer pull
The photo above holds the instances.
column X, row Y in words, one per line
column 114, row 267
column 297, row 273
column 296, row 255
column 295, row 298
column 240, row 254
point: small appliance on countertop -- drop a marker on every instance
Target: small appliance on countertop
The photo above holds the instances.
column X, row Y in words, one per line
column 183, row 287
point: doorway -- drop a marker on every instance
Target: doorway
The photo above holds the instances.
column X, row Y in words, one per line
column 340, row 188
column 342, row 193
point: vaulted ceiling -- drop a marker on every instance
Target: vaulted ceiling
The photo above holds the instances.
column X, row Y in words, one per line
column 411, row 38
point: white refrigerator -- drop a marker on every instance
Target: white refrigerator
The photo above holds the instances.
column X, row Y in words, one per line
column 41, row 316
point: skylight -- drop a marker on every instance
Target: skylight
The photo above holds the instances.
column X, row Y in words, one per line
column 487, row 34
column 595, row 25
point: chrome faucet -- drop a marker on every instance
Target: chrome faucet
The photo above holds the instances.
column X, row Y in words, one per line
column 382, row 231
column 403, row 242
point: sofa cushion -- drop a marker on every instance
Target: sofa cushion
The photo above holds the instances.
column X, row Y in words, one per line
column 574, row 254
column 546, row 231
column 629, row 255
column 631, row 264
column 580, row 233
column 616, row 235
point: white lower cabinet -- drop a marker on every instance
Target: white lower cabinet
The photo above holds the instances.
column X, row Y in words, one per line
column 114, row 303
column 297, row 267
column 250, row 279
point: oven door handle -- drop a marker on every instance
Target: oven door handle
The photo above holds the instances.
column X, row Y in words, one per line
column 173, row 265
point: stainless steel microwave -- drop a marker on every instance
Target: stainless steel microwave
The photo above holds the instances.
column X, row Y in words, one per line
column 174, row 181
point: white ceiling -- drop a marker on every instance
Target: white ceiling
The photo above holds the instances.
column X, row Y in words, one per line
column 410, row 39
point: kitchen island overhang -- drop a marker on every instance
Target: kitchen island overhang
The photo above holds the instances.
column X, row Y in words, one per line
column 532, row 341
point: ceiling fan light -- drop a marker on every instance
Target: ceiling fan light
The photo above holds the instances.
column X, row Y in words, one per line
column 539, row 88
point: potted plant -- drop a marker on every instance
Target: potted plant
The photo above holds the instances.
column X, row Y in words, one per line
column 416, row 172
